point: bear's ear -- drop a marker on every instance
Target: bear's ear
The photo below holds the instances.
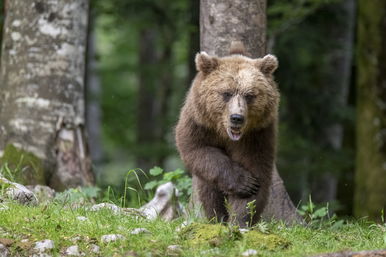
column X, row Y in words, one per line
column 268, row 64
column 206, row 63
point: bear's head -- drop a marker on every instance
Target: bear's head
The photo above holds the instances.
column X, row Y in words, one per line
column 235, row 94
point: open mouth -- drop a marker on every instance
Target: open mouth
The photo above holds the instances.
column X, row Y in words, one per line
column 234, row 133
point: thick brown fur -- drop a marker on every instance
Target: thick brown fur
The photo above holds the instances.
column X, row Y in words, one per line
column 237, row 171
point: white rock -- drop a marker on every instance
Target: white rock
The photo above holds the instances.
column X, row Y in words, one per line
column 94, row 248
column 137, row 231
column 82, row 218
column 180, row 227
column 174, row 248
column 115, row 209
column 73, row 251
column 3, row 207
column 249, row 252
column 111, row 238
column 41, row 255
column 44, row 194
column 44, row 245
column 164, row 204
column 243, row 230
column 4, row 252
column 18, row 192
column 24, row 240
column 75, row 239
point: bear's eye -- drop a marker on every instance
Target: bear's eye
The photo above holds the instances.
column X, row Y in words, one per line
column 249, row 98
column 226, row 96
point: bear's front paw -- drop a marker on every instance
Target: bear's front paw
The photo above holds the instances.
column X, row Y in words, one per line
column 242, row 184
column 248, row 188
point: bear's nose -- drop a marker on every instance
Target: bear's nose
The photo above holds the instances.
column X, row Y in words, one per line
column 237, row 119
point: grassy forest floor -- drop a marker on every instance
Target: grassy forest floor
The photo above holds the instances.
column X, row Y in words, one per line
column 22, row 226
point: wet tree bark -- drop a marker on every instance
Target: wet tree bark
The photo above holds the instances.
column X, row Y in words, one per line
column 370, row 178
column 222, row 22
column 42, row 120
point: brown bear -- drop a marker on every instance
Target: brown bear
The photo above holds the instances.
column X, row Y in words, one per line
column 226, row 133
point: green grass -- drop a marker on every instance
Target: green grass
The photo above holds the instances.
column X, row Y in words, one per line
column 62, row 226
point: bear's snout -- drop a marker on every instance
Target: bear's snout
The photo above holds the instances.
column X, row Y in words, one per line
column 237, row 119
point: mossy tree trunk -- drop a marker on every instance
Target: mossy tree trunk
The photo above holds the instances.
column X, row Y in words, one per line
column 224, row 21
column 42, row 92
column 370, row 191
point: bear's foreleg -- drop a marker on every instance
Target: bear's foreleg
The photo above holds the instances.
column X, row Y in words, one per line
column 214, row 167
column 211, row 200
column 241, row 214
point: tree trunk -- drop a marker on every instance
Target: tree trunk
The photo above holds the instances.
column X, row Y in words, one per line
column 194, row 39
column 370, row 178
column 154, row 101
column 42, row 93
column 338, row 81
column 146, row 114
column 2, row 14
column 222, row 22
column 93, row 95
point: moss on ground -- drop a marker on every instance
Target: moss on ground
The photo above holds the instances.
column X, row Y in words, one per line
column 199, row 234
column 257, row 240
column 22, row 166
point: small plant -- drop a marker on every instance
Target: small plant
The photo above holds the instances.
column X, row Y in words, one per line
column 262, row 226
column 178, row 177
column 251, row 207
column 78, row 195
column 319, row 216
column 7, row 173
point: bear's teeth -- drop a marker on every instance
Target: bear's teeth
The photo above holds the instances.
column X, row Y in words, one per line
column 234, row 135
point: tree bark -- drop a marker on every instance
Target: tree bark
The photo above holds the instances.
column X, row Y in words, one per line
column 194, row 39
column 338, row 78
column 2, row 14
column 93, row 101
column 154, row 101
column 146, row 114
column 222, row 22
column 42, row 119
column 370, row 178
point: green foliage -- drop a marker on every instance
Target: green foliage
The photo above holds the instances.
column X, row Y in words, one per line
column 251, row 207
column 119, row 24
column 79, row 195
column 284, row 14
column 21, row 166
column 305, row 43
column 319, row 216
column 178, row 177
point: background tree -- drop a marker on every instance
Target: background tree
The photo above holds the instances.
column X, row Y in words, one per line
column 42, row 93
column 317, row 98
column 2, row 13
column 370, row 177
